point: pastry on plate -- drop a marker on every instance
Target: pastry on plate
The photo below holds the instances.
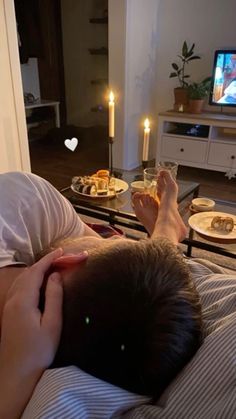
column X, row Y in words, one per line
column 225, row 224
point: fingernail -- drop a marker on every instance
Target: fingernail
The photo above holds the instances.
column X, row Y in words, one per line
column 84, row 253
column 55, row 277
column 59, row 250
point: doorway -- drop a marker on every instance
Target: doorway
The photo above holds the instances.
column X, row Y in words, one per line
column 63, row 47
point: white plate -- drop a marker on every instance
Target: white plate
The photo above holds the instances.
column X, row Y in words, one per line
column 119, row 184
column 201, row 223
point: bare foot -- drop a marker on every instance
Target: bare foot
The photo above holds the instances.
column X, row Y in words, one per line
column 169, row 222
column 146, row 210
column 161, row 219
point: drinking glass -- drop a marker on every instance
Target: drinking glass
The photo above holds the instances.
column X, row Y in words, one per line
column 150, row 181
column 172, row 166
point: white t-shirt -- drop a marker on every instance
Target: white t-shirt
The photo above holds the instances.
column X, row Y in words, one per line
column 33, row 214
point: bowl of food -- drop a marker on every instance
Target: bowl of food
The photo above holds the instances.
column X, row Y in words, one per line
column 203, row 204
column 137, row 186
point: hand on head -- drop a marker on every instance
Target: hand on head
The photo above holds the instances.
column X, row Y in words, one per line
column 29, row 338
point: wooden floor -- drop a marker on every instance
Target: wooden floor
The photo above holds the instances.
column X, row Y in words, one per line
column 54, row 162
column 213, row 184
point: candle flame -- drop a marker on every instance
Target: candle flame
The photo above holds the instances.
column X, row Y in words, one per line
column 111, row 97
column 146, row 123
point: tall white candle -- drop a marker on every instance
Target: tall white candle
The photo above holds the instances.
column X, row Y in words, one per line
column 111, row 115
column 146, row 139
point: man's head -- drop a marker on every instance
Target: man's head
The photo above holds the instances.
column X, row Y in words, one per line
column 132, row 316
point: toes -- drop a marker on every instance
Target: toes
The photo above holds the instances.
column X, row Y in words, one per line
column 167, row 176
column 169, row 180
column 145, row 200
column 151, row 202
column 160, row 183
column 137, row 199
column 142, row 200
column 166, row 182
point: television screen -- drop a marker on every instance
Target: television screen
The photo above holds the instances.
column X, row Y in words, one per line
column 223, row 89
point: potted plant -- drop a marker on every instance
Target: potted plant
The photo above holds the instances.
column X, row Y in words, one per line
column 197, row 93
column 181, row 92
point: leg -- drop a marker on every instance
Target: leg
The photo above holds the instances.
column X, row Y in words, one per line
column 165, row 220
column 169, row 222
column 57, row 114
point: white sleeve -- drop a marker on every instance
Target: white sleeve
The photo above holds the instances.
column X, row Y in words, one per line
column 33, row 214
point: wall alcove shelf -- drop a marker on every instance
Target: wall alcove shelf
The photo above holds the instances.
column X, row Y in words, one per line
column 99, row 20
column 98, row 51
column 99, row 77
column 99, row 82
column 99, row 108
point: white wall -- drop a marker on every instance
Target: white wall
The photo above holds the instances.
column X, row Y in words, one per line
column 132, row 74
column 14, row 152
column 117, row 74
column 144, row 39
column 141, row 65
column 210, row 24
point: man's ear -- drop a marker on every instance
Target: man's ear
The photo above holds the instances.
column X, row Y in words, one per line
column 70, row 260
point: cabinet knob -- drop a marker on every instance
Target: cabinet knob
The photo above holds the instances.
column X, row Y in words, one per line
column 182, row 149
column 232, row 157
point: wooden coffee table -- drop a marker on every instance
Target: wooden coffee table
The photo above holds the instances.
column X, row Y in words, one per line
column 118, row 211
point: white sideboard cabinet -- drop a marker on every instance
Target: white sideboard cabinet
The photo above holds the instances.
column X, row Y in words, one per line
column 206, row 140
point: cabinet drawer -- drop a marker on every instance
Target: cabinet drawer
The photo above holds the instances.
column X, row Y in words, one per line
column 222, row 155
column 184, row 149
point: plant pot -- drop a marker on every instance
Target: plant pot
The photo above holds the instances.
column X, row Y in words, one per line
column 195, row 105
column 181, row 99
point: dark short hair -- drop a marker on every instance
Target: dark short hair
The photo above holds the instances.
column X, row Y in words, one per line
column 132, row 317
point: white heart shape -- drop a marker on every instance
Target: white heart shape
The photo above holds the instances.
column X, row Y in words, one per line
column 71, row 144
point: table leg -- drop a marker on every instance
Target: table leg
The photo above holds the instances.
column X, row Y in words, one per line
column 191, row 232
column 57, row 113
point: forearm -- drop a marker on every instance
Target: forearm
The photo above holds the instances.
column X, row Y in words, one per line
column 29, row 338
column 7, row 277
column 15, row 393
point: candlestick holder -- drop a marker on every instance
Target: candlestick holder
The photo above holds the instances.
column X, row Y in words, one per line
column 111, row 140
column 114, row 173
column 145, row 164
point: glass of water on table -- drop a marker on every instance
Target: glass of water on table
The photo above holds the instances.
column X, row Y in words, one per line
column 151, row 173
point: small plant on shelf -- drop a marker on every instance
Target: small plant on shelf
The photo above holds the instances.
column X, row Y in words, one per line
column 198, row 91
column 186, row 56
column 181, row 93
